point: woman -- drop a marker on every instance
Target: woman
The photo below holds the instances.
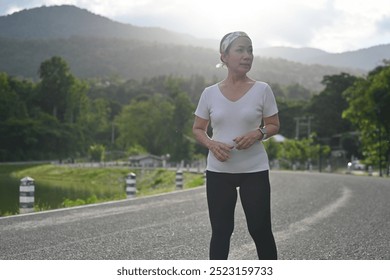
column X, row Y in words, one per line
column 236, row 108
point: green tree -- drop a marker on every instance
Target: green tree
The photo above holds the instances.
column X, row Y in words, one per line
column 181, row 134
column 146, row 123
column 15, row 125
column 98, row 123
column 288, row 111
column 368, row 110
column 136, row 150
column 328, row 106
column 96, row 152
column 11, row 105
column 55, row 87
column 303, row 152
column 297, row 92
column 64, row 97
column 273, row 148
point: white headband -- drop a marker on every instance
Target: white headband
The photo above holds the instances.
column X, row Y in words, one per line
column 230, row 38
column 228, row 41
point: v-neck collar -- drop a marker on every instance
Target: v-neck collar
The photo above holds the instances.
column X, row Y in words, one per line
column 241, row 97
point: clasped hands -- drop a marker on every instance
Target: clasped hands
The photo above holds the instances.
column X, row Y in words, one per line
column 222, row 151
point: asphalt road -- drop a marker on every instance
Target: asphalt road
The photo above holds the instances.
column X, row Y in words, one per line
column 315, row 216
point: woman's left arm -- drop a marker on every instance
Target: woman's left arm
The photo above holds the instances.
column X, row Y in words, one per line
column 245, row 141
column 272, row 125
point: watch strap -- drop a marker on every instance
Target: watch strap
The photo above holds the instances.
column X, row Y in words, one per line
column 263, row 131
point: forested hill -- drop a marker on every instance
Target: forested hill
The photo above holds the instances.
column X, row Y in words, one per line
column 65, row 21
column 131, row 59
column 95, row 46
column 366, row 59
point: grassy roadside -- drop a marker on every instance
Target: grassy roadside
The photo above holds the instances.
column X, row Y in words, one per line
column 64, row 186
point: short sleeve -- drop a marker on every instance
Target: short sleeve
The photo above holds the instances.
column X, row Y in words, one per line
column 270, row 107
column 202, row 110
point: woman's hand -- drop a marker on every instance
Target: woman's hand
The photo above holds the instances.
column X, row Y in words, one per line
column 221, row 151
column 247, row 140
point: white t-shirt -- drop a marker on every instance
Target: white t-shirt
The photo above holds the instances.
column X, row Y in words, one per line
column 230, row 119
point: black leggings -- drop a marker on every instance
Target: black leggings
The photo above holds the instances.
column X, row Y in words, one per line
column 255, row 197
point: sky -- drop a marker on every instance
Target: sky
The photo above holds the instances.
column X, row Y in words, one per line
column 331, row 25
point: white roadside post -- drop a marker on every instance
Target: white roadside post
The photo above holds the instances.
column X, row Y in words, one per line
column 179, row 179
column 26, row 195
column 131, row 185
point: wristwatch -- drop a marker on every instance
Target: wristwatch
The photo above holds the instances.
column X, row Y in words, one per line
column 263, row 131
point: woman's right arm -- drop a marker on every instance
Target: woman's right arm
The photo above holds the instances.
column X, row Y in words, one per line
column 220, row 150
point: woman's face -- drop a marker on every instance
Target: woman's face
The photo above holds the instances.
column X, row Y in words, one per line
column 239, row 57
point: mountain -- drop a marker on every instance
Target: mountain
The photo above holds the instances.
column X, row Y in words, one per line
column 135, row 59
column 302, row 55
column 55, row 22
column 95, row 46
column 364, row 59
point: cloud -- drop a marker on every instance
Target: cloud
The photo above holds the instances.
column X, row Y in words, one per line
column 332, row 25
column 12, row 9
column 383, row 24
column 297, row 25
column 17, row 5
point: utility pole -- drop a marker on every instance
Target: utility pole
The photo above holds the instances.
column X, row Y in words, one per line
column 378, row 111
column 297, row 128
column 309, row 118
column 112, row 133
column 380, row 153
column 305, row 122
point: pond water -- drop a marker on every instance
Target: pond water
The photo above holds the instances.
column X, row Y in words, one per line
column 54, row 195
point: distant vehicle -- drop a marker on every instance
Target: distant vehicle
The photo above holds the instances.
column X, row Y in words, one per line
column 356, row 165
